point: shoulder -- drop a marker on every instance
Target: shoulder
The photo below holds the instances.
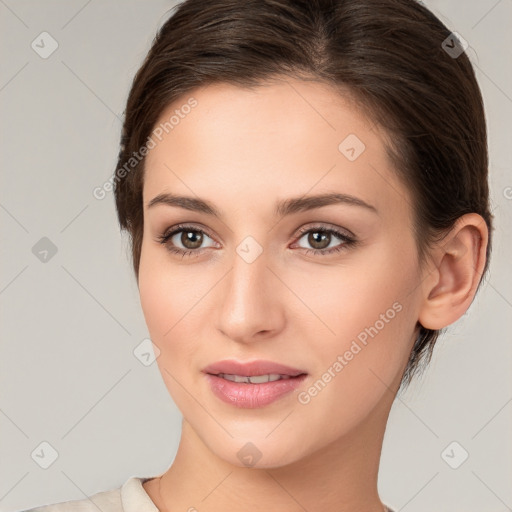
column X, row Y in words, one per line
column 131, row 497
column 106, row 501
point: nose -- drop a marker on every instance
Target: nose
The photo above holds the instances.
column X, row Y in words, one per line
column 250, row 301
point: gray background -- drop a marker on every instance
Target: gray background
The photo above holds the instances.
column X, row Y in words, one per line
column 70, row 325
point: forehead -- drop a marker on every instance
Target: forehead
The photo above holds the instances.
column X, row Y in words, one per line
column 239, row 146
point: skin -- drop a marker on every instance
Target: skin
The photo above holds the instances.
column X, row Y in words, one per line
column 243, row 150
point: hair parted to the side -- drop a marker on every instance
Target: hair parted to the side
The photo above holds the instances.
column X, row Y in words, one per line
column 387, row 55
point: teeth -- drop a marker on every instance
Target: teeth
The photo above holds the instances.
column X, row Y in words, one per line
column 255, row 379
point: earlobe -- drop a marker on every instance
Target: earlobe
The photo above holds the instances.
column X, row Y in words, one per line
column 460, row 260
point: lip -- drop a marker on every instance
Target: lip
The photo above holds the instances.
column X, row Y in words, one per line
column 251, row 368
column 252, row 396
column 247, row 395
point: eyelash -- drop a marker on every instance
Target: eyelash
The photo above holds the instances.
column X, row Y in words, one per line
column 347, row 240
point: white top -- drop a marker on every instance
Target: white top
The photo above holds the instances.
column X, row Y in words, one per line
column 130, row 497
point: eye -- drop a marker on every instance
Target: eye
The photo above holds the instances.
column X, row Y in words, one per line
column 322, row 238
column 190, row 237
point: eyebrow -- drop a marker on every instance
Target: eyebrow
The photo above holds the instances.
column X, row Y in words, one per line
column 282, row 208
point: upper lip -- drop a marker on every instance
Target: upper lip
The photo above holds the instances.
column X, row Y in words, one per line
column 251, row 368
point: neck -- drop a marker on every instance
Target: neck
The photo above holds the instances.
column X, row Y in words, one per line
column 341, row 477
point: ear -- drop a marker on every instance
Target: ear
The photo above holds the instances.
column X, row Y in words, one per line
column 452, row 280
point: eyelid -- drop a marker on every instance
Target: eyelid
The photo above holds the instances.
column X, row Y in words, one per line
column 325, row 226
column 183, row 227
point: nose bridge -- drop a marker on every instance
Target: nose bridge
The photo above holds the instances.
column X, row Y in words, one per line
column 248, row 306
column 249, row 276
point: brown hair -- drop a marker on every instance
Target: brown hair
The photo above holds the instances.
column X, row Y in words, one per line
column 392, row 55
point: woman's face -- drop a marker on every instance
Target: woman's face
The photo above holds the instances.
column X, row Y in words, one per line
column 264, row 282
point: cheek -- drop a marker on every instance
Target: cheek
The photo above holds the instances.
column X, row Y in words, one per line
column 170, row 297
column 169, row 315
column 367, row 291
column 160, row 297
column 156, row 304
column 354, row 372
column 371, row 313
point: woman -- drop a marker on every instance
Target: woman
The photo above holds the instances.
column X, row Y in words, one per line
column 305, row 188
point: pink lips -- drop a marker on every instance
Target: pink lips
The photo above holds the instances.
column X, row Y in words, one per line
column 249, row 369
column 248, row 395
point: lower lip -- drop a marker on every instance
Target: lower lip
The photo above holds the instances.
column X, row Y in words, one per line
column 252, row 396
